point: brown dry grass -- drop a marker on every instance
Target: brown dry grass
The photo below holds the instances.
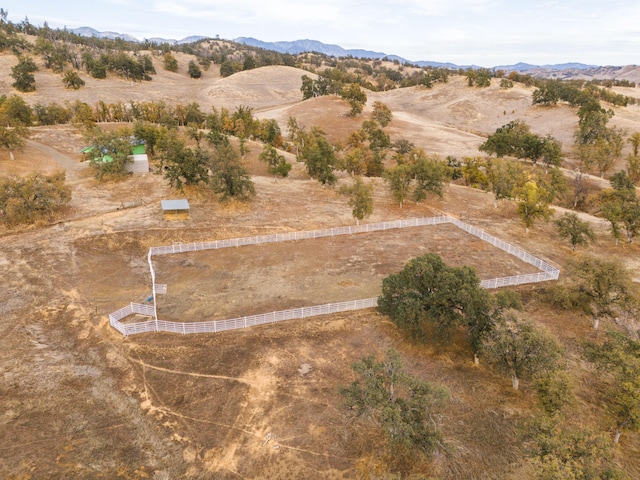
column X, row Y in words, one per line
column 80, row 401
column 230, row 283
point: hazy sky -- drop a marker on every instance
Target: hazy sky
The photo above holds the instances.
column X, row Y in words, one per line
column 481, row 32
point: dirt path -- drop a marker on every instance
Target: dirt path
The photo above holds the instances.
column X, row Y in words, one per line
column 71, row 166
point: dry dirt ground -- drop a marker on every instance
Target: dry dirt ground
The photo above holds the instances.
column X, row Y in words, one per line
column 232, row 282
column 78, row 400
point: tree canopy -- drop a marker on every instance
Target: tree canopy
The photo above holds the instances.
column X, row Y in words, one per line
column 521, row 349
column 194, row 70
column 360, row 198
column 381, row 113
column 603, row 284
column 230, row 179
column 22, row 73
column 25, row 200
column 533, row 204
column 428, row 299
column 356, row 97
column 621, row 206
column 169, row 62
column 181, row 165
column 109, row 152
column 277, row 164
column 505, row 178
column 620, row 355
column 430, row 176
column 578, row 232
column 72, row 80
column 515, row 139
column 399, row 180
column 510, row 139
column 403, row 406
column 319, row 157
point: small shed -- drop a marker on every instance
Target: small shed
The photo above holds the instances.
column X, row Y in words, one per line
column 175, row 209
column 138, row 163
column 138, row 160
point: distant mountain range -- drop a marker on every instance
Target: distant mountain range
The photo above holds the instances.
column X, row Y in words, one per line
column 91, row 32
column 300, row 46
column 563, row 70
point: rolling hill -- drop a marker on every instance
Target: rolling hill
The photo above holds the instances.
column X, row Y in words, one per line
column 78, row 400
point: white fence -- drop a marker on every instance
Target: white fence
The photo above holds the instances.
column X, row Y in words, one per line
column 231, row 324
column 138, row 327
column 292, row 236
column 547, row 272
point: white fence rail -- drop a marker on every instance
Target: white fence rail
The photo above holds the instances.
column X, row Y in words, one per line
column 548, row 272
column 292, row 236
column 231, row 324
column 138, row 327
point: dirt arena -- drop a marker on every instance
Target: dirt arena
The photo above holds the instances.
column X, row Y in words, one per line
column 254, row 279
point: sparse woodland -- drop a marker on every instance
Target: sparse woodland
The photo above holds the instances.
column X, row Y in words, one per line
column 541, row 382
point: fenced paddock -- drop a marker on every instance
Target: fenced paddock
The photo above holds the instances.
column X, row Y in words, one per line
column 545, row 272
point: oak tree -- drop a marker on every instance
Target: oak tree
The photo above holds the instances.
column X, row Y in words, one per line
column 381, row 113
column 620, row 355
column 603, row 284
column 109, row 152
column 621, row 206
column 428, row 299
column 169, row 62
column 12, row 139
column 357, row 99
column 230, row 179
column 25, row 200
column 430, row 174
column 277, row 165
column 505, row 178
column 360, row 198
column 22, row 73
column 404, row 407
column 72, row 80
column 181, row 165
column 578, row 232
column 399, row 180
column 533, row 204
column 15, row 112
column 564, row 450
column 521, row 349
column 319, row 157
column 633, row 159
column 194, row 70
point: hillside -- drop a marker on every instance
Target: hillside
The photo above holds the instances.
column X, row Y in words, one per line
column 259, row 89
column 78, row 400
column 451, row 118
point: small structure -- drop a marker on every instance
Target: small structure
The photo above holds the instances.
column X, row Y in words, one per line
column 139, row 162
column 138, row 159
column 138, row 148
column 175, row 209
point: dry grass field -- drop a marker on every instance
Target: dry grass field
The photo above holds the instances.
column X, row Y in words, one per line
column 78, row 400
column 232, row 282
